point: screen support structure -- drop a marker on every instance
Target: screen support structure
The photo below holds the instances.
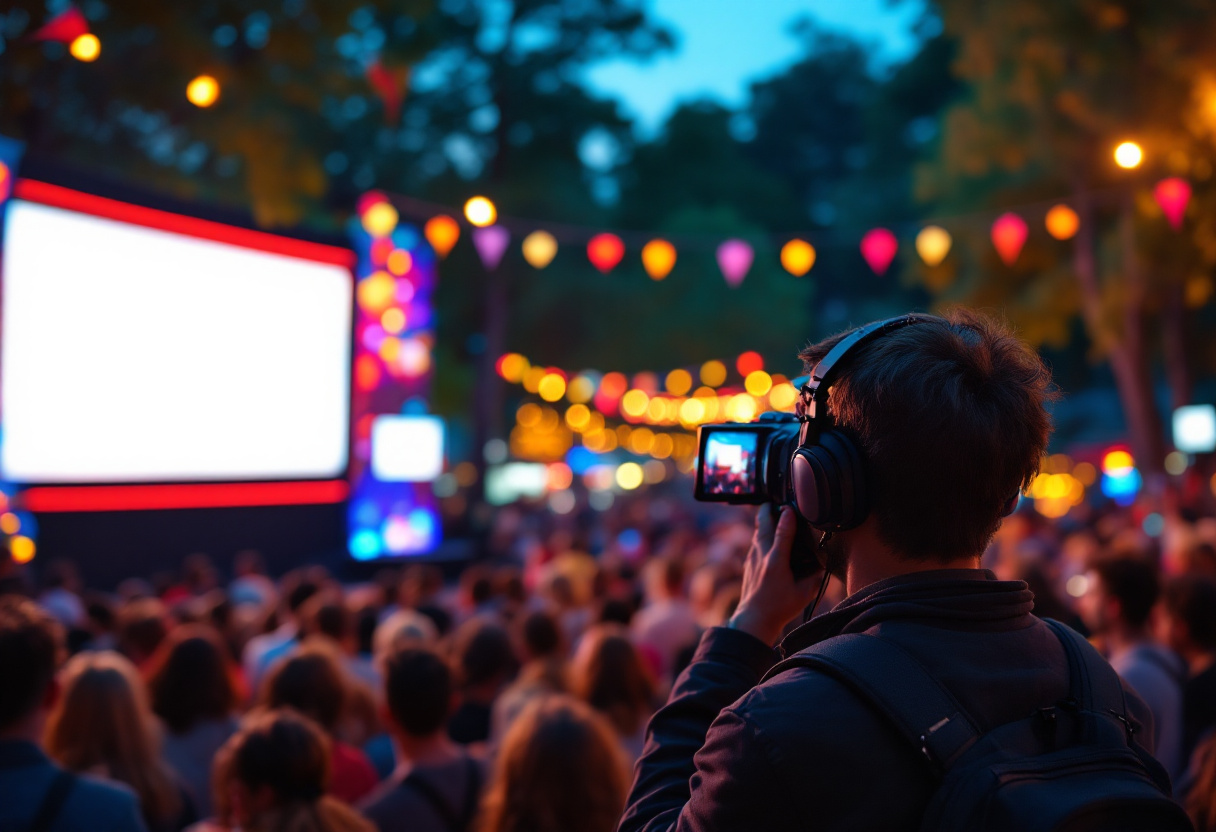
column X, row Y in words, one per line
column 394, row 345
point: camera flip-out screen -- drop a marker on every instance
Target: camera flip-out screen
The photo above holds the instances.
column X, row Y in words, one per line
column 729, row 470
column 138, row 354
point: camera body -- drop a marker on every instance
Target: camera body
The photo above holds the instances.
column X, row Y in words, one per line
column 747, row 464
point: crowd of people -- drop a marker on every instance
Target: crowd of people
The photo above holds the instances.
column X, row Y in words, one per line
column 513, row 698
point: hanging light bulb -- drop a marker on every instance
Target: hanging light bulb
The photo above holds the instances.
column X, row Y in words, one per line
column 539, row 249
column 658, row 258
column 797, row 257
column 1062, row 222
column 933, row 244
column 442, row 232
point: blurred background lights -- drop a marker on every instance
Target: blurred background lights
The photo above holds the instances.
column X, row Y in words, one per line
column 1153, row 525
column 713, row 373
column 22, row 549
column 1176, row 463
column 539, row 249
column 365, row 545
column 758, row 383
column 1077, row 585
column 203, row 91
column 797, row 257
column 634, row 403
column 393, row 321
column 480, row 211
column 783, row 396
column 1129, row 155
column 1195, row 428
column 580, row 389
column 380, row 219
column 85, row 48
column 552, row 387
column 658, row 258
column 512, row 367
column 1117, row 462
column 399, row 262
column 562, row 502
column 442, row 232
column 1062, row 222
column 10, row 523
column 933, row 244
column 678, row 382
column 495, row 451
column 629, row 476
column 749, row 362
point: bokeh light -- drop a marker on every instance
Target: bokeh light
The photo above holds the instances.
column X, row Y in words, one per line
column 512, row 367
column 713, row 373
column 10, row 523
column 379, row 219
column 552, row 387
column 539, row 249
column 797, row 257
column 658, row 258
column 376, row 292
column 1062, row 222
column 393, row 321
column 442, row 232
column 85, row 48
column 399, row 262
column 630, row 475
column 23, row 549
column 480, row 211
column 203, row 91
column 578, row 416
column 581, row 389
column 933, row 244
column 758, row 383
column 1129, row 155
column 634, row 403
column 748, row 363
column 678, row 382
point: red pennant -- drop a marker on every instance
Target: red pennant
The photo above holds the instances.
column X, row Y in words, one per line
column 391, row 85
column 1172, row 195
column 64, row 27
column 1009, row 235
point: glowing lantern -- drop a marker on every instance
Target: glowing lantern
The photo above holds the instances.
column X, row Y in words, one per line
column 748, row 363
column 1172, row 195
column 679, row 382
column 735, row 259
column 85, row 48
column 1129, row 155
column 797, row 257
column 658, row 258
column 375, row 293
column 480, row 211
column 491, row 244
column 379, row 219
column 539, row 249
column 605, row 251
column 399, row 261
column 441, row 232
column 1009, row 235
column 878, row 247
column 1062, row 222
column 203, row 91
column 933, row 244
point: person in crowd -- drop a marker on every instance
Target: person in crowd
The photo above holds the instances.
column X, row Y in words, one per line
column 273, row 776
column 326, row 616
column 543, row 649
column 261, row 652
column 1116, row 607
column 948, row 421
column 190, row 683
column 485, row 664
column 251, row 586
column 419, row 590
column 1187, row 625
column 667, row 624
column 143, row 624
column 609, row 675
column 1200, row 800
column 437, row 784
column 312, row 683
column 61, row 594
column 37, row 793
column 560, row 768
column 102, row 725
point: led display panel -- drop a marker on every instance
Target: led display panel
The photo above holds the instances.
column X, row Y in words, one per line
column 131, row 353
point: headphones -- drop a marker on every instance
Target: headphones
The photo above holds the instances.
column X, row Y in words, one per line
column 827, row 470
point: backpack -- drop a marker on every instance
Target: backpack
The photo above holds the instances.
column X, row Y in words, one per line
column 1072, row 767
column 452, row 821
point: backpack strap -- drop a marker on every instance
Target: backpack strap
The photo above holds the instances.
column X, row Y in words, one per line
column 893, row 682
column 52, row 803
column 472, row 791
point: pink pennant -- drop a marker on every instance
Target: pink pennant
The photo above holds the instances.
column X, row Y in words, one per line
column 64, row 27
column 735, row 259
column 1172, row 195
column 491, row 242
column 1009, row 235
column 878, row 248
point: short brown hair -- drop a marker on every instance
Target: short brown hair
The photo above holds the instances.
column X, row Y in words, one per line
column 950, row 416
column 189, row 679
column 310, row 682
column 30, row 646
column 418, row 689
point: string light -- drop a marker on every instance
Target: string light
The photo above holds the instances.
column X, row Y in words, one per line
column 1129, row 155
column 203, row 91
column 797, row 257
column 1062, row 222
column 480, row 211
column 85, row 48
column 658, row 258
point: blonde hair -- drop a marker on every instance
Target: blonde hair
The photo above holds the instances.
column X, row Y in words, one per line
column 560, row 767
column 103, row 724
column 288, row 754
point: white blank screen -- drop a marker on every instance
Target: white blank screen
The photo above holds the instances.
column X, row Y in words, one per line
column 132, row 354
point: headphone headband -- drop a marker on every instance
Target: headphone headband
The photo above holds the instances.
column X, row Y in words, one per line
column 823, row 372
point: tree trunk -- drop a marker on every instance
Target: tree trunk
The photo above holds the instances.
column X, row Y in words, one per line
column 1173, row 337
column 1124, row 350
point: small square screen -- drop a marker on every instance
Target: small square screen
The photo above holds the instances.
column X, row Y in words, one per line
column 730, row 463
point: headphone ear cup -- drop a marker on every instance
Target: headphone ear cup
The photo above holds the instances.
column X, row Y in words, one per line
column 812, row 491
column 854, row 503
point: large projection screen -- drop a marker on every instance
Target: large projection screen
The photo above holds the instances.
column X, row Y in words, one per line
column 134, row 354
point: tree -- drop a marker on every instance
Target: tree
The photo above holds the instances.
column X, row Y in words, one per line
column 1051, row 88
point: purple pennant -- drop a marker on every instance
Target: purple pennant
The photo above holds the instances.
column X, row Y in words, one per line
column 491, row 243
column 735, row 259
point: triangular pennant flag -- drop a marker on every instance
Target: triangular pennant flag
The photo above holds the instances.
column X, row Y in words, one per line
column 491, row 243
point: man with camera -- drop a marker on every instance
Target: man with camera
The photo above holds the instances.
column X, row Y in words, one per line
column 931, row 697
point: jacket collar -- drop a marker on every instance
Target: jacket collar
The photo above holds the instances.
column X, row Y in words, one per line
column 959, row 598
